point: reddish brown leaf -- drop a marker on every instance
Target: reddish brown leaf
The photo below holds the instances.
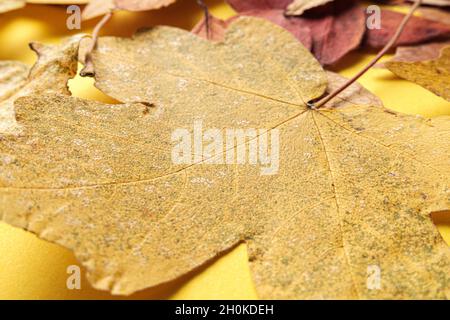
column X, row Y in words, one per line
column 336, row 34
column 331, row 32
column 429, row 51
column 418, row 30
column 440, row 3
column 434, row 14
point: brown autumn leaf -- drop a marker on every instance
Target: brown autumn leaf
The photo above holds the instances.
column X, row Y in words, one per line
column 354, row 187
column 298, row 7
column 433, row 75
column 56, row 64
column 441, row 3
column 8, row 5
column 97, row 8
column 418, row 30
column 435, row 14
column 332, row 33
column 336, row 34
column 428, row 51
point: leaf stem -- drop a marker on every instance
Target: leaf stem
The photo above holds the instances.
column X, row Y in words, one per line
column 383, row 51
column 88, row 70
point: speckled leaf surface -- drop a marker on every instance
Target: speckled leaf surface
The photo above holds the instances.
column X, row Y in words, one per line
column 431, row 74
column 56, row 64
column 355, row 185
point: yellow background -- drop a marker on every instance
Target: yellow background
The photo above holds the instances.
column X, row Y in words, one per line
column 34, row 269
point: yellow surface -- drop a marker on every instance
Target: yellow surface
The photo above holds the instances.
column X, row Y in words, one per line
column 31, row 268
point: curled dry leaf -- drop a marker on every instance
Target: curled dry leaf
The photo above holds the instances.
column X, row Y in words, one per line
column 433, row 75
column 56, row 64
column 97, row 8
column 8, row 5
column 434, row 14
column 441, row 3
column 429, row 51
column 298, row 7
column 354, row 187
column 418, row 30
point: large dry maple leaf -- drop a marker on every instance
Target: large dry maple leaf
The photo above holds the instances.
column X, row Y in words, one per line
column 354, row 189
